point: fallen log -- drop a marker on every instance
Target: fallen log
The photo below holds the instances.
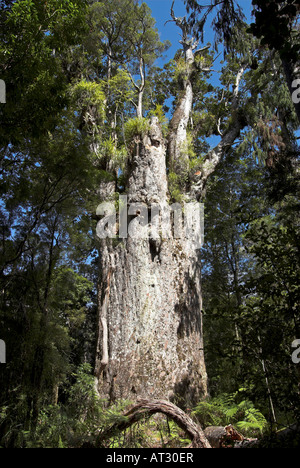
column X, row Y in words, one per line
column 145, row 408
column 222, row 437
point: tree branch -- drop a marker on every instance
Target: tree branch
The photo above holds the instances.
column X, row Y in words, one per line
column 214, row 156
column 144, row 408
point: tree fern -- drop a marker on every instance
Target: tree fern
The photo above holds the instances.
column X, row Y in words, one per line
column 225, row 409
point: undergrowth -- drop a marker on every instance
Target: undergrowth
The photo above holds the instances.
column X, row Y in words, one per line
column 83, row 416
column 229, row 409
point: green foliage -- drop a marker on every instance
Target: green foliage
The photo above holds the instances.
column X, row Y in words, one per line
column 151, row 432
column 137, row 127
column 116, row 157
column 78, row 422
column 71, row 293
column 227, row 409
column 271, row 304
column 88, row 93
column 184, row 168
column 160, row 114
column 187, row 150
column 281, row 34
column 175, row 188
column 89, row 101
column 32, row 35
column 250, row 284
column 120, row 88
column 126, row 34
column 227, row 15
column 181, row 72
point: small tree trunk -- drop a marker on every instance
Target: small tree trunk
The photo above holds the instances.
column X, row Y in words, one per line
column 139, row 109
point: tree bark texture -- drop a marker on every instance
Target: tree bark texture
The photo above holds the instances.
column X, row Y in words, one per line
column 153, row 310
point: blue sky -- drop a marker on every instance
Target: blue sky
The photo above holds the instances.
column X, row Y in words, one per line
column 161, row 12
column 169, row 31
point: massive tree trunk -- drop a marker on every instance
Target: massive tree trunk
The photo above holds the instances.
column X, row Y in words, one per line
column 153, row 310
column 150, row 340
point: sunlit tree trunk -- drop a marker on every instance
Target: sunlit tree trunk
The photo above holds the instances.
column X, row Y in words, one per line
column 150, row 339
column 152, row 330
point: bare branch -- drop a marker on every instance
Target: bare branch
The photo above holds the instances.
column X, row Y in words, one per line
column 237, row 84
